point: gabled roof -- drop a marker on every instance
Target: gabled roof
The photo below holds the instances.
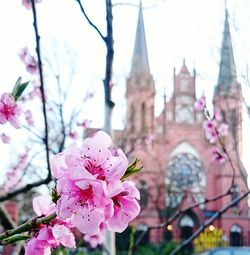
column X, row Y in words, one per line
column 184, row 69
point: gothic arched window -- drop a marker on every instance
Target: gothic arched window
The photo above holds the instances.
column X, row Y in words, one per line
column 143, row 116
column 236, row 236
column 132, row 118
column 184, row 173
column 143, row 189
column 234, row 194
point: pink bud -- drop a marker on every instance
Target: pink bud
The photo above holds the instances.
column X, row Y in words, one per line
column 200, row 104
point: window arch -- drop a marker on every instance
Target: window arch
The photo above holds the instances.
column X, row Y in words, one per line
column 234, row 193
column 143, row 189
column 143, row 116
column 185, row 147
column 132, row 117
column 186, row 221
column 184, row 172
column 236, row 235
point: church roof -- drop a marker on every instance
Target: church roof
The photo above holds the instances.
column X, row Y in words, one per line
column 140, row 61
column 227, row 73
column 184, row 69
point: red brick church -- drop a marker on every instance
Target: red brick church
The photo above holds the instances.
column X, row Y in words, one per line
column 178, row 169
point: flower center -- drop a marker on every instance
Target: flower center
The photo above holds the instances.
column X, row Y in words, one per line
column 6, row 110
column 95, row 170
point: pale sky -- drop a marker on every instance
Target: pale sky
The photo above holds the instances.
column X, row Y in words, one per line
column 175, row 29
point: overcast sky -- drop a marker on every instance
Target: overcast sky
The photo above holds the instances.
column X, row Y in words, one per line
column 175, row 29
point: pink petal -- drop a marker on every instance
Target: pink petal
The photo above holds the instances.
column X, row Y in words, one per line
column 88, row 221
column 15, row 122
column 116, row 166
column 64, row 236
column 66, row 206
column 122, row 216
column 72, row 156
column 37, row 247
column 58, row 166
column 43, row 205
column 78, row 174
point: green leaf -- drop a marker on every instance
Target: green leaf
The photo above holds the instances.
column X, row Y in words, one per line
column 19, row 88
column 15, row 238
column 55, row 196
column 132, row 169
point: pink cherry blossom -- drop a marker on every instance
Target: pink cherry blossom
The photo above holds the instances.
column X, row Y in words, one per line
column 48, row 237
column 9, row 110
column 27, row 3
column 29, row 61
column 94, row 240
column 14, row 174
column 217, row 114
column 73, row 135
column 149, row 138
column 94, row 157
column 210, row 130
column 43, row 205
column 38, row 247
column 84, row 203
column 92, row 197
column 218, row 156
column 5, row 138
column 126, row 207
column 29, row 117
column 200, row 103
column 84, row 123
column 223, row 129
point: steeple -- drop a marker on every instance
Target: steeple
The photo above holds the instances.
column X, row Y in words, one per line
column 140, row 63
column 227, row 73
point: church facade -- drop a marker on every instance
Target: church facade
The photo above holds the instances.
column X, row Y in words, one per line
column 179, row 172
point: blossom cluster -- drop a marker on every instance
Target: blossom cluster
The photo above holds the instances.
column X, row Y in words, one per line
column 92, row 196
column 27, row 3
column 215, row 130
column 14, row 175
column 29, row 61
column 10, row 110
column 49, row 236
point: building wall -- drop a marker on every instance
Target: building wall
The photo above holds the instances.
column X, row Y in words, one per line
column 171, row 135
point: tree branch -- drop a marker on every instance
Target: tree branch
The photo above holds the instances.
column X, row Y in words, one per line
column 38, row 51
column 89, row 21
column 27, row 226
column 24, row 189
column 208, row 222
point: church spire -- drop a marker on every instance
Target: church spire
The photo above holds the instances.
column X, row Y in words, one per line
column 227, row 73
column 140, row 61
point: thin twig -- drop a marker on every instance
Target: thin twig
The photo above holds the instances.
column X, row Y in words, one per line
column 208, row 222
column 23, row 189
column 89, row 21
column 176, row 215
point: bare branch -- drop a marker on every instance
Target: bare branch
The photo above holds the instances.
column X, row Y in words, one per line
column 38, row 51
column 24, row 189
column 208, row 222
column 89, row 21
column 27, row 226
